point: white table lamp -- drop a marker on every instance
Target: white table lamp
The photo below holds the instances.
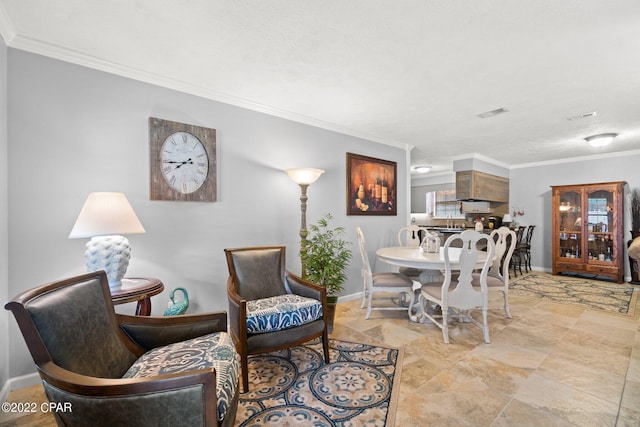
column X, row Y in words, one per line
column 105, row 217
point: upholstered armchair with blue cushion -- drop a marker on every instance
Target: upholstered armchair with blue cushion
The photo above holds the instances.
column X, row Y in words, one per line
column 271, row 308
column 114, row 369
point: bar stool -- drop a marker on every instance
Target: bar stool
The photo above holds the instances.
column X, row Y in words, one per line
column 518, row 252
column 526, row 247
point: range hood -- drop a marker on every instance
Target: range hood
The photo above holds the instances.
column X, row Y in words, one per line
column 475, row 186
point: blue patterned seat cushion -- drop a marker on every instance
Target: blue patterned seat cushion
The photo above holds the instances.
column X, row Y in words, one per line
column 215, row 350
column 281, row 312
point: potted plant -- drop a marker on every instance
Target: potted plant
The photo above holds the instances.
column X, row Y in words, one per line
column 327, row 258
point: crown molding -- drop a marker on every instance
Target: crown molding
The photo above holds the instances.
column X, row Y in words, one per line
column 483, row 158
column 7, row 29
column 577, row 159
column 77, row 58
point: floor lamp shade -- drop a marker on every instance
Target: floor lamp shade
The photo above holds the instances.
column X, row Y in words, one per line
column 304, row 176
column 105, row 217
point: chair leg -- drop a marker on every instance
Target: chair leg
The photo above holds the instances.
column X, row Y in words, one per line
column 445, row 325
column 412, row 301
column 325, row 346
column 369, row 305
column 506, row 305
column 244, row 364
column 485, row 326
column 520, row 263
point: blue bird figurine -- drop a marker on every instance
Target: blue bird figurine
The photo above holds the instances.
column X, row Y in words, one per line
column 179, row 307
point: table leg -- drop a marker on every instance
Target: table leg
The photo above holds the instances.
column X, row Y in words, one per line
column 144, row 307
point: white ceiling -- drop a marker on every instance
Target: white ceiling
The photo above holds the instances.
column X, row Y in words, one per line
column 404, row 72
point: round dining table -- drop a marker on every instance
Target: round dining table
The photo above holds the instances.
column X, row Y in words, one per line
column 403, row 256
column 431, row 262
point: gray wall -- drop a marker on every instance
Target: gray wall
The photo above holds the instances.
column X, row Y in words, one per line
column 73, row 131
column 4, row 248
column 530, row 191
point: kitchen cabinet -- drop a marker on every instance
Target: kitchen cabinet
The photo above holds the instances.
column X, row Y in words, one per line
column 587, row 229
column 475, row 207
column 475, row 185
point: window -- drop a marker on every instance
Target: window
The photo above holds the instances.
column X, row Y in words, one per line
column 443, row 204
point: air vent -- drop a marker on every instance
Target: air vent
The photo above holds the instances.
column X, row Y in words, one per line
column 493, row 113
column 582, row 116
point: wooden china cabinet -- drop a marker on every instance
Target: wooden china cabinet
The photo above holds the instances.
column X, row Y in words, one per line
column 587, row 229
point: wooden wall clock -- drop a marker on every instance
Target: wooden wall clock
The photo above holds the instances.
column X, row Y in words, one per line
column 183, row 161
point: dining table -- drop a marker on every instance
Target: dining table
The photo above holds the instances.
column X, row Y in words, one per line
column 403, row 256
column 432, row 264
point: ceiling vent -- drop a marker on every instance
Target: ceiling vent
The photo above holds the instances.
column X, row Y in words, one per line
column 582, row 116
column 493, row 113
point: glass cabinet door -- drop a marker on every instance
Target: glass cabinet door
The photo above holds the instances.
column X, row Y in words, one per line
column 600, row 226
column 570, row 224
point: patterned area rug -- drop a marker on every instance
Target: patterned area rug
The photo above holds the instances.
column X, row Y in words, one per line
column 595, row 294
column 295, row 388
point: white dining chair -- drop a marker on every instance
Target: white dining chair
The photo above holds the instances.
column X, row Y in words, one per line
column 457, row 297
column 498, row 276
column 409, row 236
column 390, row 286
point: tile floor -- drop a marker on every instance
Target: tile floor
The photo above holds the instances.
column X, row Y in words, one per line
column 550, row 365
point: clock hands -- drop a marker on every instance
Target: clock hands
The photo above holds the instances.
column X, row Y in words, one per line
column 180, row 164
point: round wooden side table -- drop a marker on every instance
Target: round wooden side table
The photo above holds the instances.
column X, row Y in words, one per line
column 139, row 289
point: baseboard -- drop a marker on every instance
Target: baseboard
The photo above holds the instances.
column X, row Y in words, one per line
column 18, row 383
column 351, row 297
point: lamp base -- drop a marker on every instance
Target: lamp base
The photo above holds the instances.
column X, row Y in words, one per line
column 111, row 254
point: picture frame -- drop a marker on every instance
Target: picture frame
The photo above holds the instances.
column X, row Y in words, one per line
column 371, row 186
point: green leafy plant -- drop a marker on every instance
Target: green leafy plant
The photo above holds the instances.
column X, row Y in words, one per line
column 328, row 256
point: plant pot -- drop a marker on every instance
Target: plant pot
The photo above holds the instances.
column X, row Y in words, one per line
column 330, row 315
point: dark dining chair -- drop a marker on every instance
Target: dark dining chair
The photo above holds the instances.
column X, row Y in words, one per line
column 526, row 247
column 518, row 253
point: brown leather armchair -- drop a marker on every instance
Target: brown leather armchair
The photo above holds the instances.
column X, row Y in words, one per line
column 113, row 369
column 261, row 294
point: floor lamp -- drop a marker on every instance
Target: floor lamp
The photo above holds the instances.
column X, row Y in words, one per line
column 304, row 177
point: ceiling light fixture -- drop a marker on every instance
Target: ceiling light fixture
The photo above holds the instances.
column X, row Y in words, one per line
column 422, row 168
column 601, row 140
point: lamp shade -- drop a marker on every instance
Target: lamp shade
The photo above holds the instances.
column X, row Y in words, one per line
column 601, row 140
column 106, row 214
column 304, row 176
column 507, row 218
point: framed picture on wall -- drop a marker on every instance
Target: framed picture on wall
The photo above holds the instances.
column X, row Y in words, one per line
column 371, row 186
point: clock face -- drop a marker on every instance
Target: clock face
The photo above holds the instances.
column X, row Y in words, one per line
column 185, row 165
